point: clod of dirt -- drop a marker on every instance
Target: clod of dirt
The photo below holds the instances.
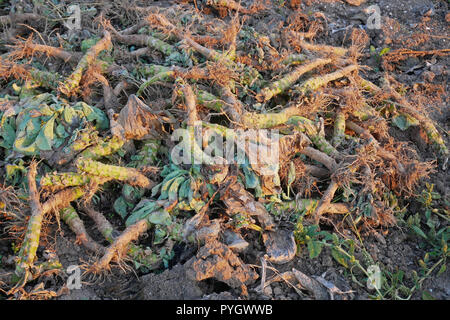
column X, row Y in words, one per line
column 171, row 284
column 234, row 241
column 216, row 260
column 312, row 285
column 239, row 200
column 208, row 232
column 280, row 246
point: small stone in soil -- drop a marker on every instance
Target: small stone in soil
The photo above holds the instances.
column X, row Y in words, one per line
column 277, row 291
column 268, row 291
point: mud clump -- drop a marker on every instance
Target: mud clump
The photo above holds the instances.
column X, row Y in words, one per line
column 215, row 260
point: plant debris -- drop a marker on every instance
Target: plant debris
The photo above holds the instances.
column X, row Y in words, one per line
column 90, row 127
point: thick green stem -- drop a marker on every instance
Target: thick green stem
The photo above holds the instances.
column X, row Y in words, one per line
column 288, row 80
column 103, row 225
column 64, row 179
column 268, row 120
column 365, row 112
column 84, row 139
column 151, row 70
column 146, row 40
column 73, row 81
column 293, row 59
column 315, row 83
column 324, row 49
column 129, row 175
column 163, row 76
column 71, row 218
column 210, row 54
column 307, row 126
column 339, row 129
column 27, row 253
column 210, row 101
column 104, row 148
column 229, row 4
column 49, row 265
column 63, row 198
column 432, row 133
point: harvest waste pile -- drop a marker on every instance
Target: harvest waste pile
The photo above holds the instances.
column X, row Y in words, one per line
column 88, row 116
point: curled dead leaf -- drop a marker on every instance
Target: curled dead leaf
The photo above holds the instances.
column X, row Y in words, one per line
column 216, row 260
column 138, row 121
column 280, row 246
column 238, row 200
